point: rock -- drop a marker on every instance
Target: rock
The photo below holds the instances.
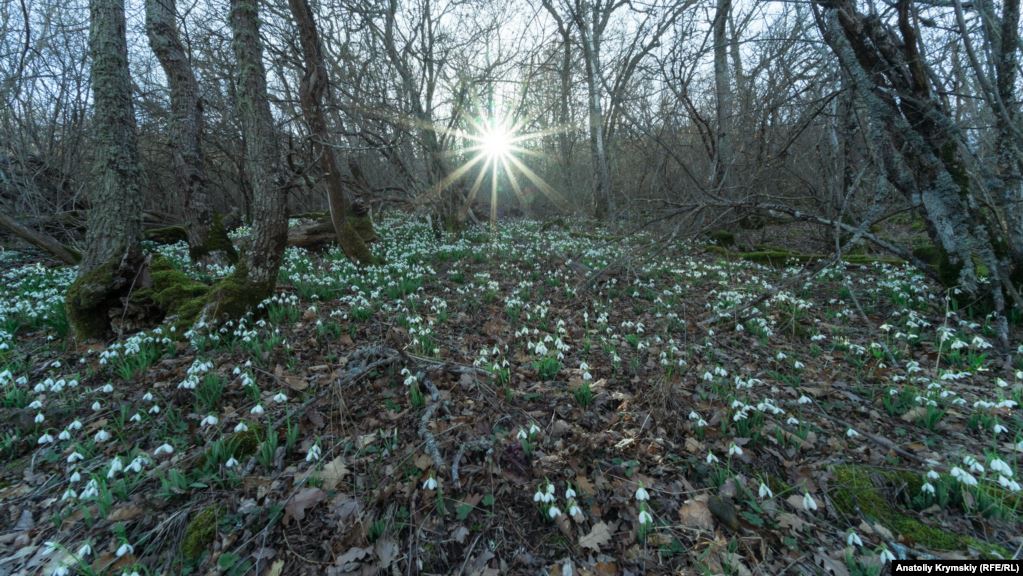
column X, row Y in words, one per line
column 560, row 429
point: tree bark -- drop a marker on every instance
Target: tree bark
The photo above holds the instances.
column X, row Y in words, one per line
column 186, row 121
column 314, row 85
column 722, row 143
column 113, row 253
column 262, row 154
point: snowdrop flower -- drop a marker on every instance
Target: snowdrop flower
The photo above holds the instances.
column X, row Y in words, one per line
column 851, row 433
column 999, row 429
column 124, row 549
column 853, row 539
column 431, row 484
column 102, row 436
column 314, row 453
column 641, row 494
column 69, row 494
column 808, row 502
column 136, row 465
column 280, row 398
column 734, row 450
column 798, row 365
column 84, row 550
column 973, row 464
column 999, row 465
column 765, row 491
column 534, row 429
column 569, row 493
column 40, row 418
column 932, row 475
column 927, row 488
column 522, row 434
column 136, row 417
column 257, row 410
column 60, row 571
column 148, row 397
column 711, row 458
column 886, row 555
column 241, row 427
column 163, row 449
column 963, row 476
column 45, row 439
column 115, row 466
column 553, row 512
column 75, row 477
column 1008, row 483
column 96, row 406
column 645, row 518
column 792, row 421
column 155, row 409
column 574, row 510
column 75, row 457
column 209, row 420
column 231, row 462
column 74, row 426
column 804, row 399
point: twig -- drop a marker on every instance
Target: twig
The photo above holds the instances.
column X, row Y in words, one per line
column 480, row 444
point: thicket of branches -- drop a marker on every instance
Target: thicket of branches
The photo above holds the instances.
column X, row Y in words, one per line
column 846, row 114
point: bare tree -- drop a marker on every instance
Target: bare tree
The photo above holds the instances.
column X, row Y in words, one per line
column 112, row 255
column 314, row 86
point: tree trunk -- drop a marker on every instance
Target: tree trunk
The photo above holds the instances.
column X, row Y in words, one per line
column 923, row 151
column 602, row 201
column 256, row 275
column 39, row 240
column 722, row 142
column 113, row 255
column 186, row 122
column 314, row 85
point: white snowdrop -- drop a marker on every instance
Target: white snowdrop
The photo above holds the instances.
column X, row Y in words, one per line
column 241, row 427
column 102, row 436
column 645, row 518
column 430, row 483
column 257, row 410
column 765, row 491
column 641, row 494
column 124, row 549
column 280, row 398
column 209, row 420
column 808, row 502
column 163, row 449
column 853, row 539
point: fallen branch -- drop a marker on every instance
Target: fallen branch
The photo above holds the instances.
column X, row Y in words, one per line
column 40, row 240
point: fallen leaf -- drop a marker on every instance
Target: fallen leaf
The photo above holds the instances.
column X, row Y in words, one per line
column 296, row 383
column 306, row 498
column 387, row 551
column 791, row 521
column 275, row 568
column 598, row 536
column 696, row 515
column 350, row 560
column 333, row 473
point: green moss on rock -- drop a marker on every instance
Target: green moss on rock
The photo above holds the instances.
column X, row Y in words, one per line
column 363, row 225
column 200, row 532
column 179, row 296
column 859, row 491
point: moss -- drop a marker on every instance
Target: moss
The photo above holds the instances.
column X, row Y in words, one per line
column 89, row 298
column 363, row 225
column 200, row 532
column 178, row 296
column 233, row 296
column 859, row 491
column 167, row 235
column 722, row 237
column 243, row 444
column 354, row 245
column 217, row 240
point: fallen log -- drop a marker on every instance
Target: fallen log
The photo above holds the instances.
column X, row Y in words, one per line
column 40, row 240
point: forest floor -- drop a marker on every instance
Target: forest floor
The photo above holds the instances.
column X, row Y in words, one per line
column 482, row 405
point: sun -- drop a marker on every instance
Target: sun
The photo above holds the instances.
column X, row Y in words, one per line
column 496, row 140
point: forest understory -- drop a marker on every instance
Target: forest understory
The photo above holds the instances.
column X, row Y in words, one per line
column 525, row 399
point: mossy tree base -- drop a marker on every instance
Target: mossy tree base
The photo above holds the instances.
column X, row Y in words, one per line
column 92, row 296
column 217, row 241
